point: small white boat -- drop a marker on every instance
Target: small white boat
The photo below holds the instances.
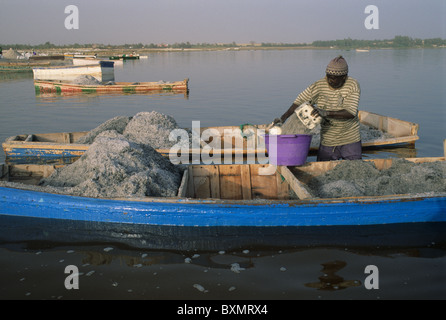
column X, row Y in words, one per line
column 85, row 61
column 102, row 71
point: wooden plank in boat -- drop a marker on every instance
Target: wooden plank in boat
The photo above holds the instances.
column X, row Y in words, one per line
column 230, row 182
column 283, row 188
column 205, row 182
column 236, row 182
column 245, row 173
column 294, row 183
column 182, row 190
column 398, row 128
column 264, row 186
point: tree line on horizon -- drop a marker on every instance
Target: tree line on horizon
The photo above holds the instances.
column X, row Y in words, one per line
column 396, row 42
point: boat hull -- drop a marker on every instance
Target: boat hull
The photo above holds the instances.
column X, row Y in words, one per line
column 211, row 213
column 103, row 71
column 21, row 229
column 216, row 206
column 118, row 87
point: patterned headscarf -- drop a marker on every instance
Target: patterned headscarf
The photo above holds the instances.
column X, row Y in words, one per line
column 337, row 67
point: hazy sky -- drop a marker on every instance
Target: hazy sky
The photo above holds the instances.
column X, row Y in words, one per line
column 216, row 21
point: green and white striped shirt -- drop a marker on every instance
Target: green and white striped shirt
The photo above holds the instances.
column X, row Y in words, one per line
column 335, row 132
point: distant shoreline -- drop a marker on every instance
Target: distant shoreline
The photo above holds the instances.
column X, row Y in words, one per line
column 145, row 51
column 398, row 42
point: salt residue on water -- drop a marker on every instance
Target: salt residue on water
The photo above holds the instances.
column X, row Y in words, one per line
column 362, row 178
column 121, row 162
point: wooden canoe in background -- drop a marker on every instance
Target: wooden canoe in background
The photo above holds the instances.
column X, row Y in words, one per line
column 51, row 57
column 125, row 57
column 32, row 147
column 117, row 87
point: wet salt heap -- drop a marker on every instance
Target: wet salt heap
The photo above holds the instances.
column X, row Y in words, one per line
column 361, row 178
column 121, row 162
column 152, row 128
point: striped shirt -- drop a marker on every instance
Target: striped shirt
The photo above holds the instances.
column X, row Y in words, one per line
column 335, row 132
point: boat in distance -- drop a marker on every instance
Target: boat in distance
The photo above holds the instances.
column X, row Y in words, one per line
column 103, row 71
column 125, row 57
column 42, row 86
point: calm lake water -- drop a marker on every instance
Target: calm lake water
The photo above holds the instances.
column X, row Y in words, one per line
column 234, row 88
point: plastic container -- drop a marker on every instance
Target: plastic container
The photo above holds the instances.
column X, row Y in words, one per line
column 289, row 149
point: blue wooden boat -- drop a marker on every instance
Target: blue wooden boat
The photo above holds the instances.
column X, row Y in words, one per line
column 224, row 195
column 212, row 202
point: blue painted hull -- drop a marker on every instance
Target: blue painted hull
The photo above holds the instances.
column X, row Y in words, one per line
column 19, row 229
column 213, row 213
column 45, row 153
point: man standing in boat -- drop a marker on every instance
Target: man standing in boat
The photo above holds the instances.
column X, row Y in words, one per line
column 336, row 97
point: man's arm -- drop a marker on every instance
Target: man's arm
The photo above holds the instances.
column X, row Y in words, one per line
column 341, row 114
column 288, row 113
column 304, row 96
column 349, row 107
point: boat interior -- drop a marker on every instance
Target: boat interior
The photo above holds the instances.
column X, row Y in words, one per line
column 226, row 181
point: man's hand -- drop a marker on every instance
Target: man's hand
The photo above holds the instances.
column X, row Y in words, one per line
column 277, row 122
column 320, row 112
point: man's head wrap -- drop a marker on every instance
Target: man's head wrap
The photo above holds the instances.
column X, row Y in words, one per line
column 337, row 67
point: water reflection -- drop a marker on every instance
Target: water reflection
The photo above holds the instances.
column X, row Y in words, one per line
column 113, row 270
column 398, row 151
column 81, row 97
column 182, row 238
column 330, row 281
column 12, row 76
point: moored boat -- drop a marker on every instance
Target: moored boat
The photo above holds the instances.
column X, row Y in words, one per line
column 84, row 61
column 102, row 71
column 125, row 57
column 115, row 87
column 21, row 66
column 47, row 57
column 62, row 145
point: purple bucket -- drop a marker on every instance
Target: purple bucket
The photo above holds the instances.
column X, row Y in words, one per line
column 288, row 149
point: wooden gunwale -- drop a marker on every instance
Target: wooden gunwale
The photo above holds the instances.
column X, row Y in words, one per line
column 52, row 143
